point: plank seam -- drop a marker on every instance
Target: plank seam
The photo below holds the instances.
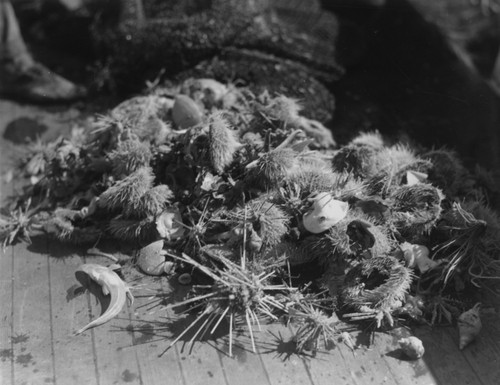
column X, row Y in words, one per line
column 141, row 382
column 94, row 349
column 264, row 367
column 51, row 315
column 309, row 375
column 222, row 367
column 180, row 364
column 12, row 370
column 471, row 366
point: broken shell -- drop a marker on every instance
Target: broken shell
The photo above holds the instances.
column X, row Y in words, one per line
column 215, row 88
column 185, row 112
column 323, row 137
column 418, row 256
column 184, row 279
column 169, row 224
column 414, row 177
column 325, row 212
column 168, row 267
column 151, row 258
column 469, row 326
column 412, row 347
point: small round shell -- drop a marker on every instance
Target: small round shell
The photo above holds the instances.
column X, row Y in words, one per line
column 412, row 347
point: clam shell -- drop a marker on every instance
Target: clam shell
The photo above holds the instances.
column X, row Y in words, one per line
column 415, row 177
column 325, row 213
column 185, row 112
column 151, row 258
column 412, row 347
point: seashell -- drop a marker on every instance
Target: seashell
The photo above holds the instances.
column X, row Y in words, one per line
column 168, row 267
column 412, row 347
column 151, row 258
column 215, row 88
column 469, row 326
column 414, row 177
column 322, row 136
column 169, row 224
column 413, row 305
column 184, row 279
column 185, row 112
column 325, row 212
column 418, row 256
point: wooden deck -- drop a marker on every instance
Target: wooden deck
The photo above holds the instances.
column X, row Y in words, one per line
column 42, row 307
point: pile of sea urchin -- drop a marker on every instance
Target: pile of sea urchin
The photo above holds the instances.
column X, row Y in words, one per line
column 259, row 201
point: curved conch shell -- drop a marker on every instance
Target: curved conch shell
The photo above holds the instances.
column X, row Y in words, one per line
column 469, row 326
column 418, row 256
column 412, row 347
column 324, row 213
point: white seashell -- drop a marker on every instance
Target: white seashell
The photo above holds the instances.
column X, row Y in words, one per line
column 415, row 177
column 169, row 224
column 325, row 213
column 151, row 258
column 412, row 347
column 418, row 256
column 469, row 325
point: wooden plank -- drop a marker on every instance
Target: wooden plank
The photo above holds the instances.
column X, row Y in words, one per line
column 404, row 371
column 6, row 273
column 115, row 354
column 149, row 337
column 443, row 358
column 74, row 355
column 199, row 363
column 244, row 367
column 368, row 366
column 282, row 365
column 483, row 355
column 31, row 335
column 6, row 320
column 491, row 327
column 330, row 365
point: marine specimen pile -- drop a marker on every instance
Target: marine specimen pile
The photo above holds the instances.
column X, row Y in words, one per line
column 273, row 219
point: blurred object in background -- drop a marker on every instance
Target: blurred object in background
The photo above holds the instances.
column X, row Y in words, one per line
column 23, row 78
column 418, row 69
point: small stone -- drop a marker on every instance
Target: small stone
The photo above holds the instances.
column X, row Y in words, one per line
column 184, row 279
